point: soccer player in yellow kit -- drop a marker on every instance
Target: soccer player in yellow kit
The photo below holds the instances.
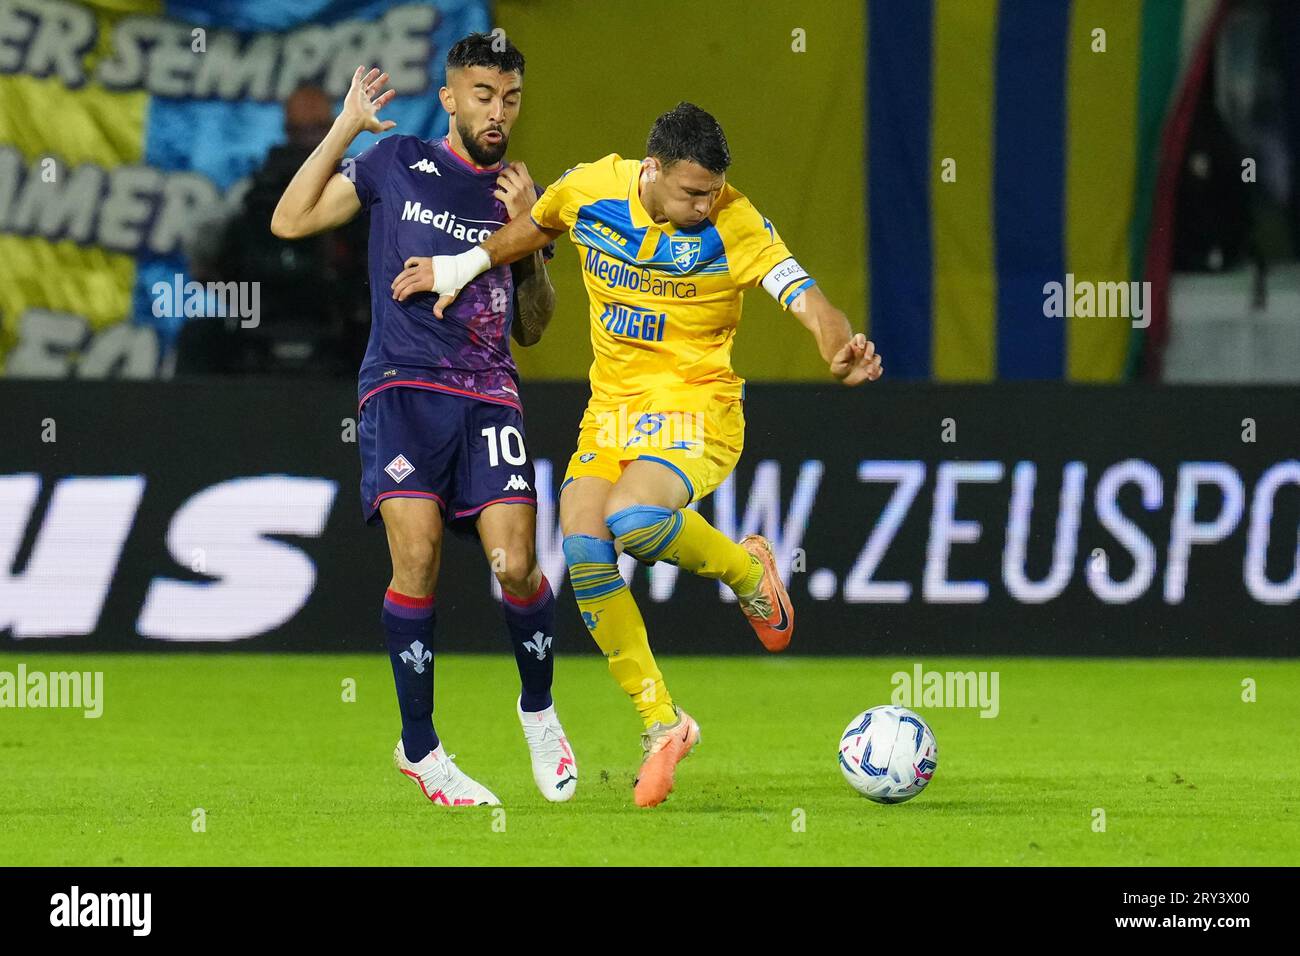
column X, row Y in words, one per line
column 668, row 247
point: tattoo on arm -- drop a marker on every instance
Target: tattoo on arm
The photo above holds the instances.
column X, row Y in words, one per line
column 534, row 299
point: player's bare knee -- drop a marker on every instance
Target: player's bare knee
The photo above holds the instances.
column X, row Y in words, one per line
column 590, row 523
column 619, row 499
column 520, row 578
column 415, row 557
column 582, row 506
column 516, row 568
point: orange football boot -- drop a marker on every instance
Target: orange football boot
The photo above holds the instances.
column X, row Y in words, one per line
column 665, row 747
column 768, row 608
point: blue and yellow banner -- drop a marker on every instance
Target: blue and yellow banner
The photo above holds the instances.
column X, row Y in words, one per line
column 128, row 126
column 976, row 152
column 1011, row 145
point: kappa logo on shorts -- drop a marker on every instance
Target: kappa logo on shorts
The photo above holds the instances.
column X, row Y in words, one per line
column 516, row 483
column 399, row 468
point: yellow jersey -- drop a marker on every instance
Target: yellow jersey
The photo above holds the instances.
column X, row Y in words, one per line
column 665, row 302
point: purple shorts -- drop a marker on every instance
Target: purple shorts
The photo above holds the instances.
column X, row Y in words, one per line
column 462, row 452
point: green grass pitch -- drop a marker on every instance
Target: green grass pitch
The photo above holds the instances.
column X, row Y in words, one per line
column 288, row 773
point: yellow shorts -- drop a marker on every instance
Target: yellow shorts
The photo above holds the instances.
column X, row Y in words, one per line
column 701, row 447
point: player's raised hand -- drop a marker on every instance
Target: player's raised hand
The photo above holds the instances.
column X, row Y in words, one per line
column 516, row 190
column 857, row 362
column 361, row 106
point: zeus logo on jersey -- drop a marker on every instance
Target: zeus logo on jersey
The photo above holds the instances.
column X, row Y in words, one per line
column 446, row 221
column 633, row 323
column 600, row 229
column 425, row 166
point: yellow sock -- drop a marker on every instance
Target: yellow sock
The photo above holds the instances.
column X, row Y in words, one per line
column 685, row 539
column 614, row 620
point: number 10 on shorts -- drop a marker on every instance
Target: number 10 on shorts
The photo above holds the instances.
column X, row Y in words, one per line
column 510, row 445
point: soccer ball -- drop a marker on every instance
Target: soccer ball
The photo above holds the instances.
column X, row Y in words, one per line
column 888, row 754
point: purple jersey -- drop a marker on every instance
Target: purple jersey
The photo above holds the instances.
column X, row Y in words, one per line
column 425, row 200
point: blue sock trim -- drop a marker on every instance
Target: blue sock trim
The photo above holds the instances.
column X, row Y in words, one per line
column 588, row 549
column 646, row 531
column 635, row 518
column 598, row 590
column 593, row 566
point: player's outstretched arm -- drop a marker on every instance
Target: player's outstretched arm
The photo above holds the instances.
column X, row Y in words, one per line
column 318, row 198
column 851, row 358
column 520, row 237
column 447, row 275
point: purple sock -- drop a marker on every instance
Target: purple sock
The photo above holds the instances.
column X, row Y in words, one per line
column 408, row 622
column 531, row 623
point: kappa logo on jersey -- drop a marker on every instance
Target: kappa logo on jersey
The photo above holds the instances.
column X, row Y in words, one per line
column 516, row 483
column 686, row 251
column 417, row 656
column 539, row 645
column 399, row 468
column 425, row 166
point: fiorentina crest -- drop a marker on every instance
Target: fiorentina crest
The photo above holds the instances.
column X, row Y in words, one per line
column 686, row 251
column 417, row 656
column 539, row 645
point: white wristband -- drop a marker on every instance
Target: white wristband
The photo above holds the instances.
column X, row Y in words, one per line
column 453, row 273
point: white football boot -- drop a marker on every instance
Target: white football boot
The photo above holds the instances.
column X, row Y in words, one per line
column 555, row 769
column 443, row 782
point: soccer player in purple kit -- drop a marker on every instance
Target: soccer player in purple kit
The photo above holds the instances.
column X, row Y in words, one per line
column 441, row 429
